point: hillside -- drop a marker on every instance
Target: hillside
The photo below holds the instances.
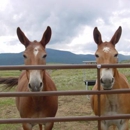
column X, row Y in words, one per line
column 53, row 56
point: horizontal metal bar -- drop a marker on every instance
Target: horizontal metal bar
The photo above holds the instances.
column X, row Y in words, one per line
column 33, row 67
column 65, row 66
column 115, row 65
column 63, row 119
column 63, row 93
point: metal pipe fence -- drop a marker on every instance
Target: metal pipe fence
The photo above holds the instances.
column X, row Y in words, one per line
column 98, row 92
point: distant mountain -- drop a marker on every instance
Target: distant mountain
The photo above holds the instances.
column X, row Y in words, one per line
column 53, row 56
column 57, row 56
column 11, row 58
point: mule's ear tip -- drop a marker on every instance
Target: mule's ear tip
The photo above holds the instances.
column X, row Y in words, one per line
column 18, row 29
column 120, row 27
column 48, row 27
column 95, row 29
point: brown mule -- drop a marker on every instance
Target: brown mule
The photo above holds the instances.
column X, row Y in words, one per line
column 34, row 81
column 111, row 104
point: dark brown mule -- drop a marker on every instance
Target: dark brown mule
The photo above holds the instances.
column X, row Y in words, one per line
column 111, row 78
column 35, row 81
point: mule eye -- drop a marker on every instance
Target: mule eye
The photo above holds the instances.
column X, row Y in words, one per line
column 115, row 55
column 44, row 56
column 24, row 56
column 96, row 55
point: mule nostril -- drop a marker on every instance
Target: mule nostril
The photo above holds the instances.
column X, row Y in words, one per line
column 112, row 80
column 29, row 85
column 101, row 81
column 40, row 84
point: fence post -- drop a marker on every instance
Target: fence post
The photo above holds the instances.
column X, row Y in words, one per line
column 98, row 81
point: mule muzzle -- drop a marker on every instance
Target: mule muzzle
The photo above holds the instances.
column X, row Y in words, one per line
column 35, row 87
column 107, row 84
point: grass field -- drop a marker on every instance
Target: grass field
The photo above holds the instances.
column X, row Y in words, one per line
column 70, row 79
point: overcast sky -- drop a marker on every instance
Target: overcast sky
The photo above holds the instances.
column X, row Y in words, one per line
column 72, row 23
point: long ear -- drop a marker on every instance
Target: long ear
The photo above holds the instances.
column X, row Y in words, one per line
column 46, row 36
column 97, row 36
column 116, row 36
column 22, row 38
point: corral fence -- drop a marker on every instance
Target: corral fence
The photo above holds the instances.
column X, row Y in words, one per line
column 65, row 93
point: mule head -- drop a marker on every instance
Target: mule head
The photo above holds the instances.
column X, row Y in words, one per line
column 35, row 54
column 106, row 54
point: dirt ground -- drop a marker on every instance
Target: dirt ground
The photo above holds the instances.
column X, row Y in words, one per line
column 74, row 106
column 68, row 106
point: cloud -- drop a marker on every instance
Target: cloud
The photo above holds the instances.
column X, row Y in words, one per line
column 72, row 23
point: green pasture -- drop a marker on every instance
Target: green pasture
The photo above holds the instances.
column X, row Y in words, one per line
column 65, row 79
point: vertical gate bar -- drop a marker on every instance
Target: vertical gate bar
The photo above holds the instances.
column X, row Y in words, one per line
column 99, row 111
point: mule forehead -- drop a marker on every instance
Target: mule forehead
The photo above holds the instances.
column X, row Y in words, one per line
column 34, row 54
column 35, row 48
column 106, row 52
column 106, row 48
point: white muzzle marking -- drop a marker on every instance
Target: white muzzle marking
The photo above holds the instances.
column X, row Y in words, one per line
column 35, row 81
column 107, row 79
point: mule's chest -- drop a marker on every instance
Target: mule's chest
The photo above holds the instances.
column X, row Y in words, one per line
column 31, row 107
column 111, row 105
column 38, row 106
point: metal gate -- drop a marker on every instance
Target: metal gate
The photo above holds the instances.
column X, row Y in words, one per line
column 65, row 93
